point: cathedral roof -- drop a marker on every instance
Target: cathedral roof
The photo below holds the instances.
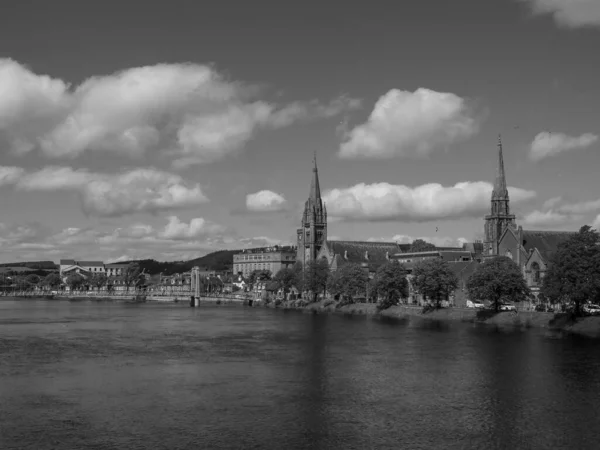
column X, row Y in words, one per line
column 373, row 253
column 546, row 242
column 500, row 190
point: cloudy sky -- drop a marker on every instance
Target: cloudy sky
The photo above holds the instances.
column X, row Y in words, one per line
column 171, row 129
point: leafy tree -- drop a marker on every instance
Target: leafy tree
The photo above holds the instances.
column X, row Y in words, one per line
column 316, row 274
column 99, row 280
column 434, row 279
column 419, row 245
column 259, row 275
column 75, row 281
column 287, row 278
column 52, row 280
column 496, row 280
column 32, row 280
column 573, row 274
column 390, row 284
column 131, row 275
column 298, row 270
column 348, row 281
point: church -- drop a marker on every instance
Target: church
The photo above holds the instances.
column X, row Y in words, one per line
column 313, row 243
column 530, row 249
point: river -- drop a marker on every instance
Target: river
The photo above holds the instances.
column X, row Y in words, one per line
column 117, row 376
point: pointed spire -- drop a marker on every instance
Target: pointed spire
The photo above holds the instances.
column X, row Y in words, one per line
column 315, row 188
column 500, row 184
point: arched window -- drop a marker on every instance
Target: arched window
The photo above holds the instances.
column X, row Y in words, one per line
column 535, row 271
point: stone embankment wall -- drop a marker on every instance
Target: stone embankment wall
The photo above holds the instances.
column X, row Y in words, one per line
column 586, row 326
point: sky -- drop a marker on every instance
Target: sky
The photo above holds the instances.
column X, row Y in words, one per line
column 169, row 130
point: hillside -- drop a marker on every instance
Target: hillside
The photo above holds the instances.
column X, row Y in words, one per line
column 36, row 265
column 220, row 260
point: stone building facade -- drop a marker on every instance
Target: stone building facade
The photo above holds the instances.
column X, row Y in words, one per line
column 269, row 258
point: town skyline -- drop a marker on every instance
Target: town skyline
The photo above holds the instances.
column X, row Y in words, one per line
column 191, row 130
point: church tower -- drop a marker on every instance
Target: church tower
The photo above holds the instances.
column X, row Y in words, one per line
column 500, row 217
column 313, row 233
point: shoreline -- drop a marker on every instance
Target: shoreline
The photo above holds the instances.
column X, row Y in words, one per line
column 588, row 327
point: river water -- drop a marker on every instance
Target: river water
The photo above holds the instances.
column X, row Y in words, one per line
column 116, row 376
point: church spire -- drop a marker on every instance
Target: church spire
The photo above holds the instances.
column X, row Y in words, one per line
column 315, row 188
column 500, row 184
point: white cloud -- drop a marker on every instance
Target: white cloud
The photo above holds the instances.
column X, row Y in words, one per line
column 265, row 201
column 197, row 227
column 410, row 124
column 9, row 175
column 588, row 207
column 111, row 195
column 438, row 241
column 177, row 240
column 569, row 13
column 552, row 202
column 596, row 223
column 190, row 110
column 428, row 202
column 545, row 219
column 548, row 144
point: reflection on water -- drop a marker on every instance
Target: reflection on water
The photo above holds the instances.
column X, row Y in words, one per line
column 109, row 376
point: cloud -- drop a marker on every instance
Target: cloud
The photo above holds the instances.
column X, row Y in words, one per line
column 265, row 201
column 175, row 240
column 550, row 218
column 190, row 110
column 548, row 144
column 406, row 123
column 111, row 195
column 9, row 175
column 569, row 13
column 596, row 223
column 198, row 227
column 438, row 241
column 428, row 202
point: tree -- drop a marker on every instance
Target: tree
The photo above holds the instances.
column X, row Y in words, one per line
column 573, row 274
column 32, row 280
column 348, row 281
column 316, row 274
column 496, row 280
column 131, row 275
column 259, row 275
column 52, row 280
column 75, row 281
column 434, row 279
column 419, row 245
column 287, row 278
column 390, row 284
column 99, row 280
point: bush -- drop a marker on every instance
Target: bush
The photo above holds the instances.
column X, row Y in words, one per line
column 327, row 303
column 385, row 303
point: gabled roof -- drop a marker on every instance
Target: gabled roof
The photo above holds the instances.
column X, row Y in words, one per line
column 546, row 242
column 91, row 263
column 358, row 252
column 67, row 262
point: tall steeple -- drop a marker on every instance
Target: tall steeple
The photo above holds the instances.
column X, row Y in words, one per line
column 500, row 217
column 315, row 188
column 313, row 233
column 500, row 190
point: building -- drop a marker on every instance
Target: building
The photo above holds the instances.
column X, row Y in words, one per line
column 115, row 269
column 272, row 259
column 85, row 268
column 312, row 234
column 531, row 250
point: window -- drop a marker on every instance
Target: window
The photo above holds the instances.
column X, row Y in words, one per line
column 535, row 272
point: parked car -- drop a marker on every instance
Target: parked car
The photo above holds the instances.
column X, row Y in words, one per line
column 504, row 306
column 474, row 304
column 591, row 309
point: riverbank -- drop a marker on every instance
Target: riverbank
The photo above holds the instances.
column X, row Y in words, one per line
column 585, row 326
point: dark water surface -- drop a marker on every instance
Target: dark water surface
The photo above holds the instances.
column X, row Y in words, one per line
column 114, row 376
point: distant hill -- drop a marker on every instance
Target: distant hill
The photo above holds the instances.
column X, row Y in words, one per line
column 221, row 260
column 36, row 265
